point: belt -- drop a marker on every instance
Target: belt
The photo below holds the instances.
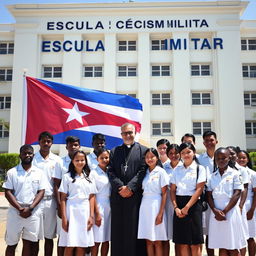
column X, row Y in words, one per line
column 48, row 197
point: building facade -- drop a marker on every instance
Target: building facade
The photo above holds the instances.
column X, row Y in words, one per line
column 192, row 65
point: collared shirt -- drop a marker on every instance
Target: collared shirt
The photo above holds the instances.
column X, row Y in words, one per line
column 92, row 160
column 154, row 181
column 169, row 170
column 206, row 161
column 80, row 189
column 25, row 184
column 100, row 178
column 243, row 172
column 223, row 187
column 64, row 165
column 48, row 167
column 252, row 182
column 186, row 179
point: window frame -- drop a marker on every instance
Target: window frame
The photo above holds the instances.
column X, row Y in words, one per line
column 252, row 126
column 94, row 72
column 127, row 71
column 160, row 70
column 4, row 132
column 6, row 74
column 158, row 44
column 5, row 101
column 200, row 71
column 159, row 101
column 9, row 49
column 202, row 126
column 161, row 128
column 247, row 69
column 248, row 45
column 52, row 71
column 251, row 99
column 201, row 98
column 127, row 45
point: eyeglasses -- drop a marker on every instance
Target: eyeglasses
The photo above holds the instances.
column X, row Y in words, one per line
column 126, row 133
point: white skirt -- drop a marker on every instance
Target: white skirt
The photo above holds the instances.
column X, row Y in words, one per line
column 102, row 233
column 149, row 208
column 252, row 222
column 227, row 234
column 169, row 216
column 78, row 212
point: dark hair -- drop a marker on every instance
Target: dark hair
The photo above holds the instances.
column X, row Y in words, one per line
column 209, row 133
column 102, row 150
column 173, row 146
column 235, row 149
column 72, row 139
column 188, row 135
column 45, row 134
column 163, row 141
column 189, row 146
column 218, row 150
column 249, row 164
column 86, row 169
column 25, row 147
column 98, row 136
column 154, row 151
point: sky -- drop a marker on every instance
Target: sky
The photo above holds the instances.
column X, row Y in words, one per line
column 6, row 17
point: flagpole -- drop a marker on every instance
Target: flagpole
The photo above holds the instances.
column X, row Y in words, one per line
column 24, row 108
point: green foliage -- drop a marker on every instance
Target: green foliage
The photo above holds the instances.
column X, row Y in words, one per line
column 253, row 159
column 8, row 160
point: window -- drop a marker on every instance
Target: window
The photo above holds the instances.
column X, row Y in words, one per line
column 5, row 102
column 248, row 44
column 200, row 70
column 6, row 48
column 161, row 99
column 250, row 128
column 50, row 72
column 126, row 45
column 249, row 70
column 5, row 74
column 163, row 128
column 127, row 71
column 132, row 95
column 93, row 71
column 201, row 98
column 200, row 127
column 250, row 99
column 157, row 45
column 160, row 70
column 4, row 130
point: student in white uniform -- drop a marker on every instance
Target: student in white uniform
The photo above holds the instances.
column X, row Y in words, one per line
column 152, row 219
column 101, row 227
column 187, row 184
column 98, row 142
column 206, row 159
column 173, row 153
column 245, row 179
column 24, row 189
column 224, row 189
column 72, row 145
column 45, row 160
column 250, row 203
column 77, row 206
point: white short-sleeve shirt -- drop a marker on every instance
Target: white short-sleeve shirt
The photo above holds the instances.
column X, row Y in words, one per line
column 92, row 161
column 243, row 172
column 223, row 187
column 169, row 170
column 252, row 182
column 100, row 178
column 48, row 167
column 64, row 165
column 80, row 189
column 186, row 179
column 25, row 184
column 207, row 162
column 155, row 180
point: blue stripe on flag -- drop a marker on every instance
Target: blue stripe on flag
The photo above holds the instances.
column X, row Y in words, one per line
column 96, row 96
column 85, row 138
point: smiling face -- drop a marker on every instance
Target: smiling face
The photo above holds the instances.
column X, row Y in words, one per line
column 162, row 149
column 79, row 162
column 174, row 155
column 128, row 134
column 242, row 159
column 187, row 156
column 103, row 160
column 210, row 142
column 151, row 160
column 233, row 155
column 222, row 159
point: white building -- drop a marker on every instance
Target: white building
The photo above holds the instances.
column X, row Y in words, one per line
column 191, row 64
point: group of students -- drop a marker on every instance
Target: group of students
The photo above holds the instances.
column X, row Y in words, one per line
column 78, row 186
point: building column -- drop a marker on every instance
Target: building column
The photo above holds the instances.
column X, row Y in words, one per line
column 144, row 85
column 110, row 63
column 26, row 48
column 72, row 69
column 181, row 122
column 229, row 103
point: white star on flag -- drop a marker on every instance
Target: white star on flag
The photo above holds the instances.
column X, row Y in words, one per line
column 75, row 114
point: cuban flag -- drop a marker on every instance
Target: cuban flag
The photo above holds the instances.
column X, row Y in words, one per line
column 65, row 110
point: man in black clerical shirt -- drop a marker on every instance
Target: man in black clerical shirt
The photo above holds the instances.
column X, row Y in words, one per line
column 126, row 172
